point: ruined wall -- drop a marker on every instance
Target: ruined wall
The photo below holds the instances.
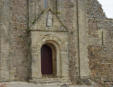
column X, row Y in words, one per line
column 17, row 16
column 100, row 45
column 94, row 9
column 100, row 51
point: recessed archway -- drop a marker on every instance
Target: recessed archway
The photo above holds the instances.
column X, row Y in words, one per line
column 60, row 60
column 48, row 60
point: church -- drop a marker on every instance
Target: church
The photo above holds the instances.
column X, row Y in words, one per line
column 55, row 43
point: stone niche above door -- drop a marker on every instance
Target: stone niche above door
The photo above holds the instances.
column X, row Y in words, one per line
column 49, row 31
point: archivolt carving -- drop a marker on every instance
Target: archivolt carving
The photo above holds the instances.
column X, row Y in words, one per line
column 51, row 39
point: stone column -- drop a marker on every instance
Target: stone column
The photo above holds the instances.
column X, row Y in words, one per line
column 4, row 41
column 36, row 57
column 83, row 39
column 4, row 61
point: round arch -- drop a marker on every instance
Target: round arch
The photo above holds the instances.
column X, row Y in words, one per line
column 55, row 47
column 56, row 43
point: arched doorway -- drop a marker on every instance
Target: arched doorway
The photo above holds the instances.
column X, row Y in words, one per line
column 48, row 60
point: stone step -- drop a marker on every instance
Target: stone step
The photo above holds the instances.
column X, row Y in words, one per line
column 23, row 84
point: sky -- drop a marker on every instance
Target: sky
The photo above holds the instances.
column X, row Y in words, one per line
column 107, row 6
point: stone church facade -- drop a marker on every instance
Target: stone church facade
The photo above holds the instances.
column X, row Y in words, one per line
column 59, row 42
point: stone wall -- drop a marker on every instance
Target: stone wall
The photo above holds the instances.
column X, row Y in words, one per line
column 100, row 50
column 14, row 41
column 95, row 42
column 100, row 44
column 20, row 66
column 4, row 40
column 94, row 9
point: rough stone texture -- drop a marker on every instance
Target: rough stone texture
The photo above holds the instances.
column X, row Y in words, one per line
column 100, row 51
column 94, row 9
column 4, row 45
column 23, row 84
column 14, row 46
column 19, row 43
column 100, row 45
column 85, row 32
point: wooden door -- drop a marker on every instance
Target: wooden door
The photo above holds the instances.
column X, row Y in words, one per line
column 46, row 60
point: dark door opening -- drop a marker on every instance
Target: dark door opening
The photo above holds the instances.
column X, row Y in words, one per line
column 46, row 60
